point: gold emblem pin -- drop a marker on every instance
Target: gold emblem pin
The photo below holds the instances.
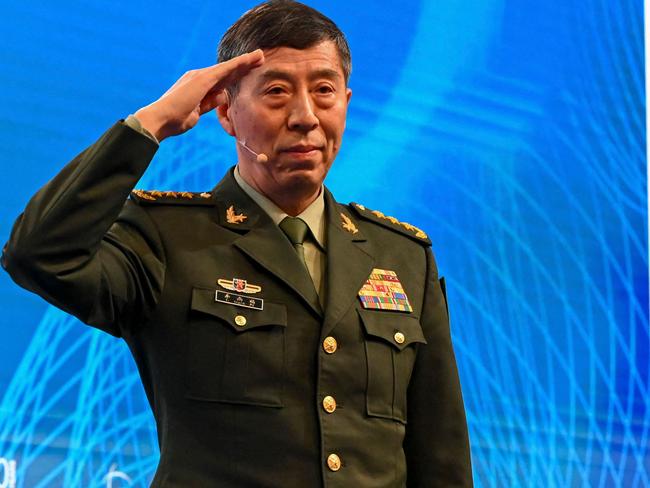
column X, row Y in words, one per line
column 348, row 224
column 233, row 218
column 239, row 285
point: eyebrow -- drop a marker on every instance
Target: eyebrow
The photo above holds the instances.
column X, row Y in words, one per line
column 275, row 74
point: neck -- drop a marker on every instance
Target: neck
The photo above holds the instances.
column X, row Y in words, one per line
column 293, row 201
column 292, row 206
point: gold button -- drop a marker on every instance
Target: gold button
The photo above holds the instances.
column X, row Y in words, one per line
column 240, row 320
column 330, row 345
column 399, row 338
column 333, row 462
column 329, row 404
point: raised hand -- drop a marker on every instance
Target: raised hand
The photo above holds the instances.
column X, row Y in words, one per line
column 195, row 93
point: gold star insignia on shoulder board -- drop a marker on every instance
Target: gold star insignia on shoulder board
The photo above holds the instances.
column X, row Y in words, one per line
column 156, row 194
column 171, row 194
column 233, row 218
column 348, row 224
column 143, row 194
column 146, row 197
column 392, row 220
column 396, row 224
column 418, row 232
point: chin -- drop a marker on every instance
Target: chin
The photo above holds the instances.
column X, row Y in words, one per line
column 304, row 182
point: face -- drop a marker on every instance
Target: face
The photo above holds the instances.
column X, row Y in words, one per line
column 292, row 108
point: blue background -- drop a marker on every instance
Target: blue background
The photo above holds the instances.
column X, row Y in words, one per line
column 512, row 131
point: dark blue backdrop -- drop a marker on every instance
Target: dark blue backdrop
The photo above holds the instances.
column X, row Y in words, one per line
column 512, row 131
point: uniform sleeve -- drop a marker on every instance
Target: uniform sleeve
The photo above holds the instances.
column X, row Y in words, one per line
column 81, row 248
column 436, row 442
column 133, row 122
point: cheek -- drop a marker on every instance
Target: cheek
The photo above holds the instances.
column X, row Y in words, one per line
column 249, row 120
column 266, row 126
column 335, row 132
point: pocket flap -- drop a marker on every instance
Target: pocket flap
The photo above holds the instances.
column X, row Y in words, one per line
column 240, row 319
column 398, row 330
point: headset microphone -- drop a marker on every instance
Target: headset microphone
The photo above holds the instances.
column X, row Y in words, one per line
column 261, row 157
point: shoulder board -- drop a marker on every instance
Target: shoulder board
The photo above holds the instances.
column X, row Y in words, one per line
column 155, row 197
column 391, row 223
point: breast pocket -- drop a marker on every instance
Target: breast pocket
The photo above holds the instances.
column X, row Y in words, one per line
column 391, row 345
column 236, row 354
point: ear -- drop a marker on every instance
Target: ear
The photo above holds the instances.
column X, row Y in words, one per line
column 223, row 112
column 348, row 95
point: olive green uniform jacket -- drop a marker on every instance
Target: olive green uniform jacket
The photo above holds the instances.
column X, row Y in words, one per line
column 237, row 393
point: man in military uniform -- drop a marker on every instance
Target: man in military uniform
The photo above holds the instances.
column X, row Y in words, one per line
column 283, row 339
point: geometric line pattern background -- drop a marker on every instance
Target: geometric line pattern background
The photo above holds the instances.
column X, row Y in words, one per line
column 511, row 131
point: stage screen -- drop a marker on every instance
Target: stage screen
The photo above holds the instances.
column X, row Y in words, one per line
column 511, row 131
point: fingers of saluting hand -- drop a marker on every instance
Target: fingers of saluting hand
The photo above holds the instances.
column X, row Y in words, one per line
column 195, row 93
column 217, row 77
column 212, row 99
column 236, row 68
column 225, row 74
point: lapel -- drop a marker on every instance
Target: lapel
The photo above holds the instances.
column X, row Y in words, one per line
column 261, row 240
column 349, row 263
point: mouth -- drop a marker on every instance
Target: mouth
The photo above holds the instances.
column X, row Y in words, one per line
column 301, row 149
column 302, row 152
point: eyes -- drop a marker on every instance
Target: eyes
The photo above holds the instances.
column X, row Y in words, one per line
column 275, row 90
column 323, row 89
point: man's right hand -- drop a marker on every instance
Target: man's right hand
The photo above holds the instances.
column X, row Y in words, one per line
column 195, row 93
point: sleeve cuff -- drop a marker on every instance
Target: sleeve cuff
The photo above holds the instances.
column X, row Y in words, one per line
column 135, row 124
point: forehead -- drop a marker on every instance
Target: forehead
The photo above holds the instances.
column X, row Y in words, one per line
column 319, row 60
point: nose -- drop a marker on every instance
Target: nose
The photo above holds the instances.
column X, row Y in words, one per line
column 301, row 116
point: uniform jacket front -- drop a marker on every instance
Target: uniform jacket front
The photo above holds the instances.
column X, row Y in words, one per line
column 238, row 393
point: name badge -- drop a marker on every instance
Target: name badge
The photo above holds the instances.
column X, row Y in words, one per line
column 239, row 300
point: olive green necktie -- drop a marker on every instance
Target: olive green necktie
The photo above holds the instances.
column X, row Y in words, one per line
column 296, row 230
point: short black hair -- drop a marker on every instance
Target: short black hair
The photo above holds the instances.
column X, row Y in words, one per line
column 282, row 23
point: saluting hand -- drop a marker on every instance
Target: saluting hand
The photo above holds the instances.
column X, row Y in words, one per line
column 195, row 93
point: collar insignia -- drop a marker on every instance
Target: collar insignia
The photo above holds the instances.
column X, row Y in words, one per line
column 233, row 218
column 348, row 224
column 239, row 285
